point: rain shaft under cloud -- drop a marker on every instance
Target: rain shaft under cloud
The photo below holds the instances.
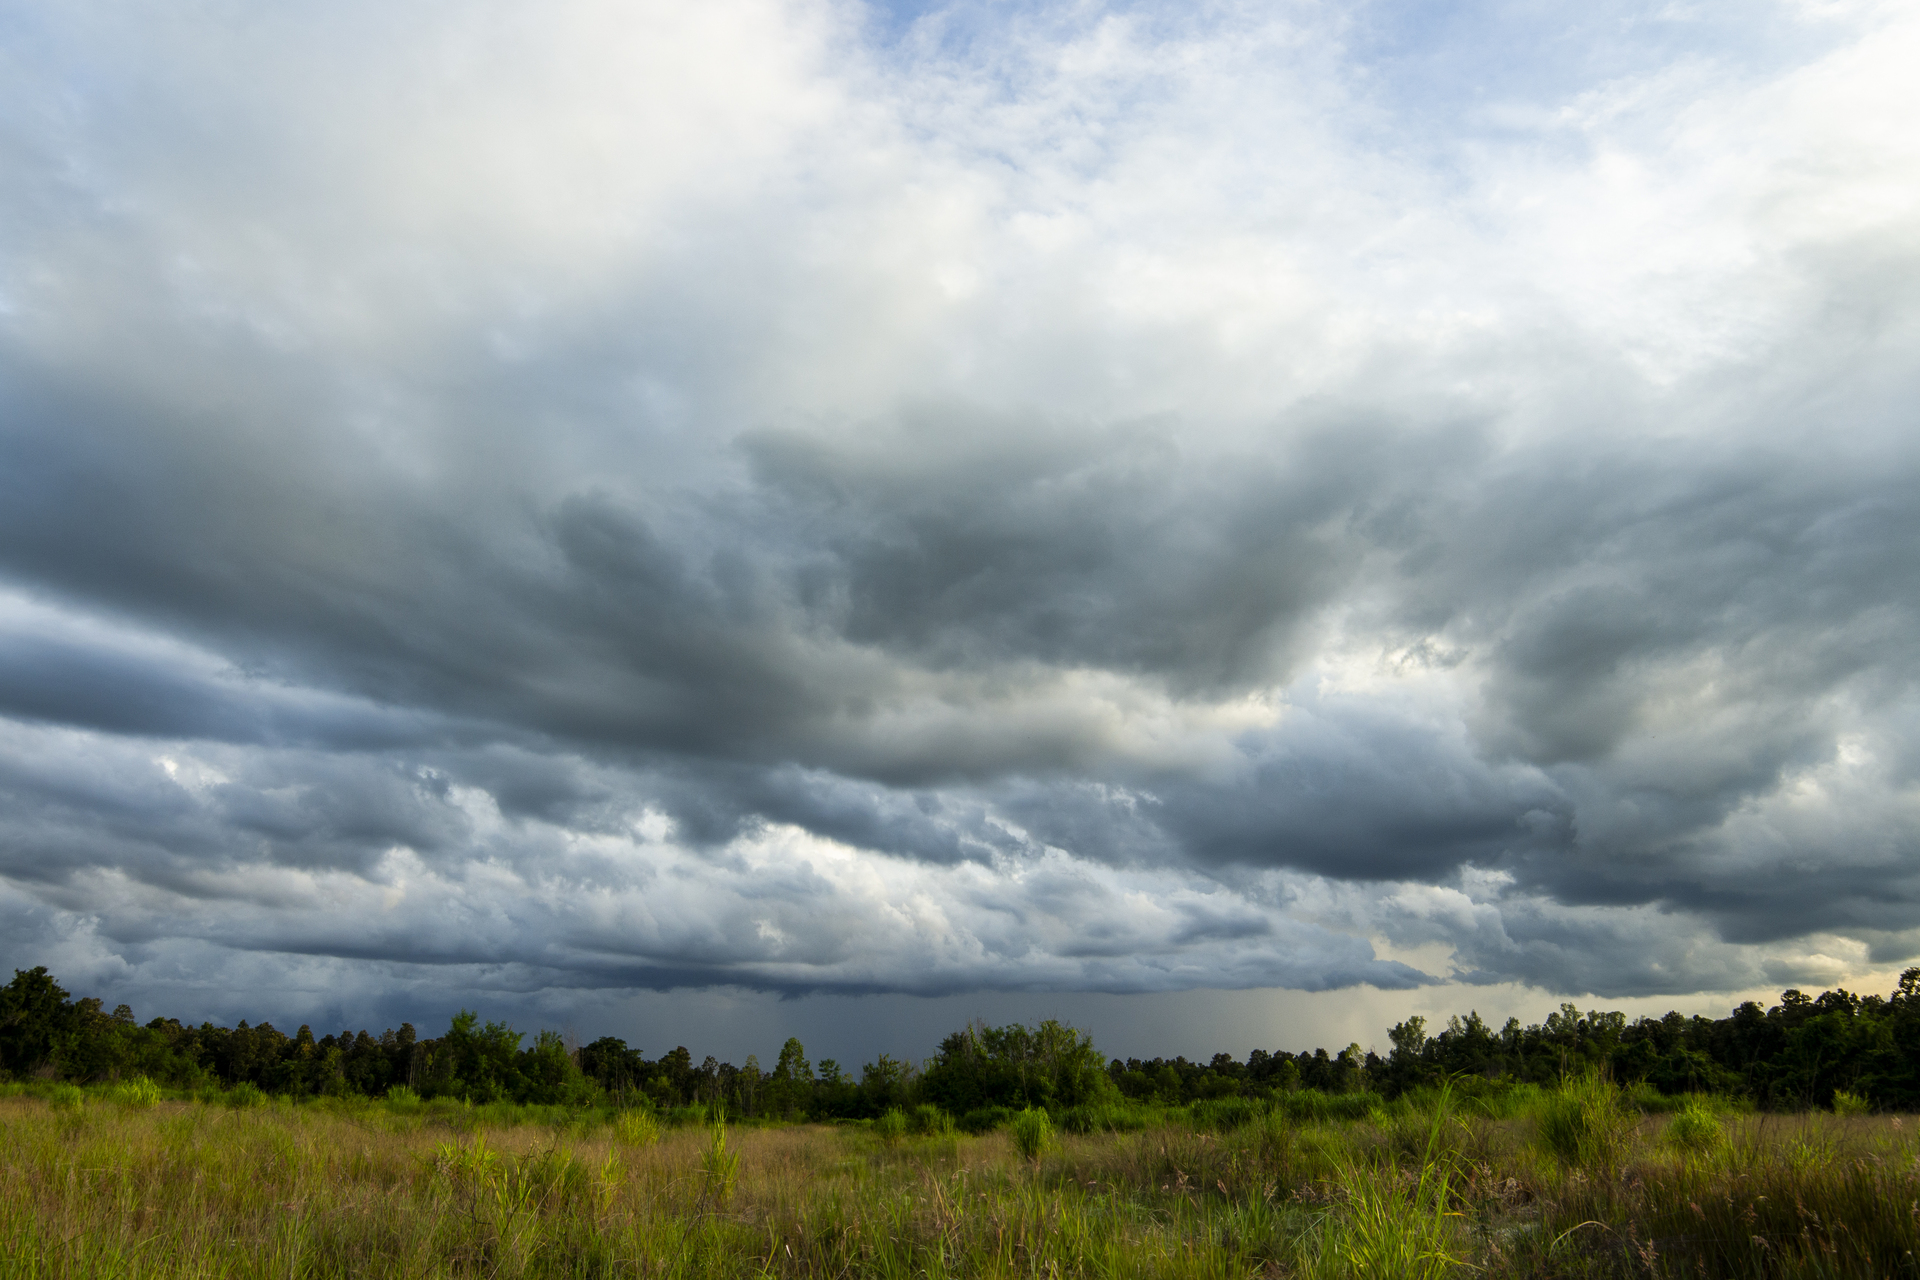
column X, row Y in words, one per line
column 1003, row 499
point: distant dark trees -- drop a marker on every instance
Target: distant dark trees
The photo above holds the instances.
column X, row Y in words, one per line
column 1796, row 1054
column 1051, row 1066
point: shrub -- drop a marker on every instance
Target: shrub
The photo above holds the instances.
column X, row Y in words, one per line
column 1102, row 1117
column 1032, row 1133
column 1222, row 1115
column 636, row 1129
column 1850, row 1104
column 246, row 1094
column 66, row 1097
column 928, row 1119
column 892, row 1125
column 1695, row 1130
column 1311, row 1104
column 986, row 1119
column 1584, row 1123
column 401, row 1098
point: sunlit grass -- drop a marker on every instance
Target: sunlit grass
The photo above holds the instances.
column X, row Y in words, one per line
column 116, row 1184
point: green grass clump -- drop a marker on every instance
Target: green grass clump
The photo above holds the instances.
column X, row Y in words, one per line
column 1032, row 1131
column 636, row 1129
column 891, row 1126
column 1585, row 1123
column 1387, row 1230
column 1850, row 1104
column 137, row 1093
column 1696, row 1131
column 66, row 1097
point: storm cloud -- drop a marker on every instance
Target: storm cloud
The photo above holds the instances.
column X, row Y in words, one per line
column 977, row 499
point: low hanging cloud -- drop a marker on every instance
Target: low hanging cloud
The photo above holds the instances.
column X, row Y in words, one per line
column 1108, row 500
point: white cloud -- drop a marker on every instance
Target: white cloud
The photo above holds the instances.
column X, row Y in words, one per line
column 1073, row 500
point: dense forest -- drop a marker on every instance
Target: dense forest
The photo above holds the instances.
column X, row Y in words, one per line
column 1797, row 1054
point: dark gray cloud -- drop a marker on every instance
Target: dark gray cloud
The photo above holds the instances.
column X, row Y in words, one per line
column 946, row 519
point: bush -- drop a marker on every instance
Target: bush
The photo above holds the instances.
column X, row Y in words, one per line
column 1104, row 1117
column 401, row 1098
column 986, row 1119
column 246, row 1094
column 1222, row 1115
column 66, row 1097
column 1032, row 1133
column 1311, row 1104
column 891, row 1126
column 1584, row 1123
column 1850, row 1104
column 1695, row 1130
column 928, row 1119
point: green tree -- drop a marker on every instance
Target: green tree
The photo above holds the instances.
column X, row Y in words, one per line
column 790, row 1087
column 481, row 1061
column 36, row 1021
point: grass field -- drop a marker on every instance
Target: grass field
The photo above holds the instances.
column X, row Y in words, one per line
column 1578, row 1182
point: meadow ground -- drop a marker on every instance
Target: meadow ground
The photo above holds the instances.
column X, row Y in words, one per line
column 1570, row 1183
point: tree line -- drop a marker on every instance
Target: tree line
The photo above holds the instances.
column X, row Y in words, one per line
column 1795, row 1054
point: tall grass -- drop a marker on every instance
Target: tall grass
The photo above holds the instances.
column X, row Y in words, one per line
column 1426, row 1187
column 1393, row 1228
column 1586, row 1123
column 719, row 1167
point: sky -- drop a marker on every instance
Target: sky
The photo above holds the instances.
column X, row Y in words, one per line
column 1225, row 523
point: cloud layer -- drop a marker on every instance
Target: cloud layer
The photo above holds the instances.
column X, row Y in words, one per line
column 991, row 499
